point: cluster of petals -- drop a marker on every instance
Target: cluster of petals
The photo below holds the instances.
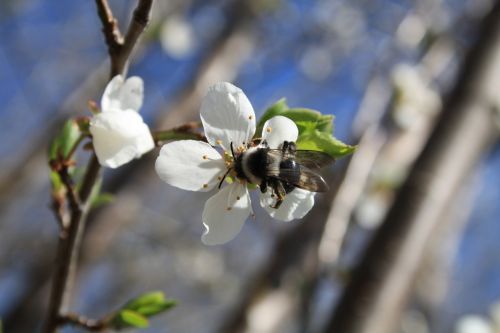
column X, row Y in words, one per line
column 228, row 118
column 118, row 131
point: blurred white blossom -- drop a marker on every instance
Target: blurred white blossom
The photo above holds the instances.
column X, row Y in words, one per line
column 415, row 98
column 474, row 324
column 177, row 37
column 119, row 132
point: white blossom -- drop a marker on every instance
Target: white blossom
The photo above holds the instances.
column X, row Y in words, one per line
column 228, row 117
column 473, row 324
column 118, row 131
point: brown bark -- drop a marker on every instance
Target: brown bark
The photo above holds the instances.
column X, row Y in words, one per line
column 373, row 300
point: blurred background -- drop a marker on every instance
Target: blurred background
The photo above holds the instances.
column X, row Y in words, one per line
column 389, row 70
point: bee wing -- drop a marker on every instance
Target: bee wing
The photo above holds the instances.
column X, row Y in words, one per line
column 303, row 178
column 306, row 180
column 313, row 159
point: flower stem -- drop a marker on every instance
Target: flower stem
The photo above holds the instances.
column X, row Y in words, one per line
column 188, row 131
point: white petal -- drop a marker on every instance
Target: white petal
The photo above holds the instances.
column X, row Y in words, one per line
column 119, row 137
column 224, row 224
column 279, row 129
column 190, row 165
column 123, row 95
column 295, row 205
column 227, row 116
column 474, row 324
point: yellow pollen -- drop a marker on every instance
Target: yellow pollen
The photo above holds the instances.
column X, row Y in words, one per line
column 269, row 129
column 218, row 141
column 205, row 185
column 205, row 157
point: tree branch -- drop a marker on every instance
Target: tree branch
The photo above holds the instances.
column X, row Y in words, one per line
column 69, row 244
column 110, row 27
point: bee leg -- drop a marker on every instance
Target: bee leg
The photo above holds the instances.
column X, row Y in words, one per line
column 280, row 192
column 278, row 203
column 263, row 186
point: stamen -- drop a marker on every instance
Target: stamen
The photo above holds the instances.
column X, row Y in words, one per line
column 205, row 157
column 269, row 129
column 250, row 117
column 238, row 198
column 205, row 185
column 219, row 142
column 229, row 197
column 219, row 178
column 229, row 208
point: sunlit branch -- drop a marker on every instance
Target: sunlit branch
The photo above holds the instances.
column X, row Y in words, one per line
column 70, row 240
column 184, row 132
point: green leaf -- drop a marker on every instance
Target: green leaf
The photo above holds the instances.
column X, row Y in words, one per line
column 102, row 199
column 55, row 180
column 154, row 297
column 150, row 304
column 154, row 309
column 274, row 110
column 320, row 141
column 128, row 318
column 305, row 119
column 315, row 129
column 64, row 142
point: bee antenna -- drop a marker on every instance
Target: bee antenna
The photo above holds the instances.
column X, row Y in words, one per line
column 224, row 177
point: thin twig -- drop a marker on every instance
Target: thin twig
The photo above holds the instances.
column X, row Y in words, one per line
column 110, row 27
column 75, row 146
column 183, row 132
column 70, row 240
column 140, row 20
column 60, row 213
column 71, row 195
column 94, row 325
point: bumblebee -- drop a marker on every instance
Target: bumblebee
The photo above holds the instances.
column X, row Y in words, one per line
column 281, row 170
